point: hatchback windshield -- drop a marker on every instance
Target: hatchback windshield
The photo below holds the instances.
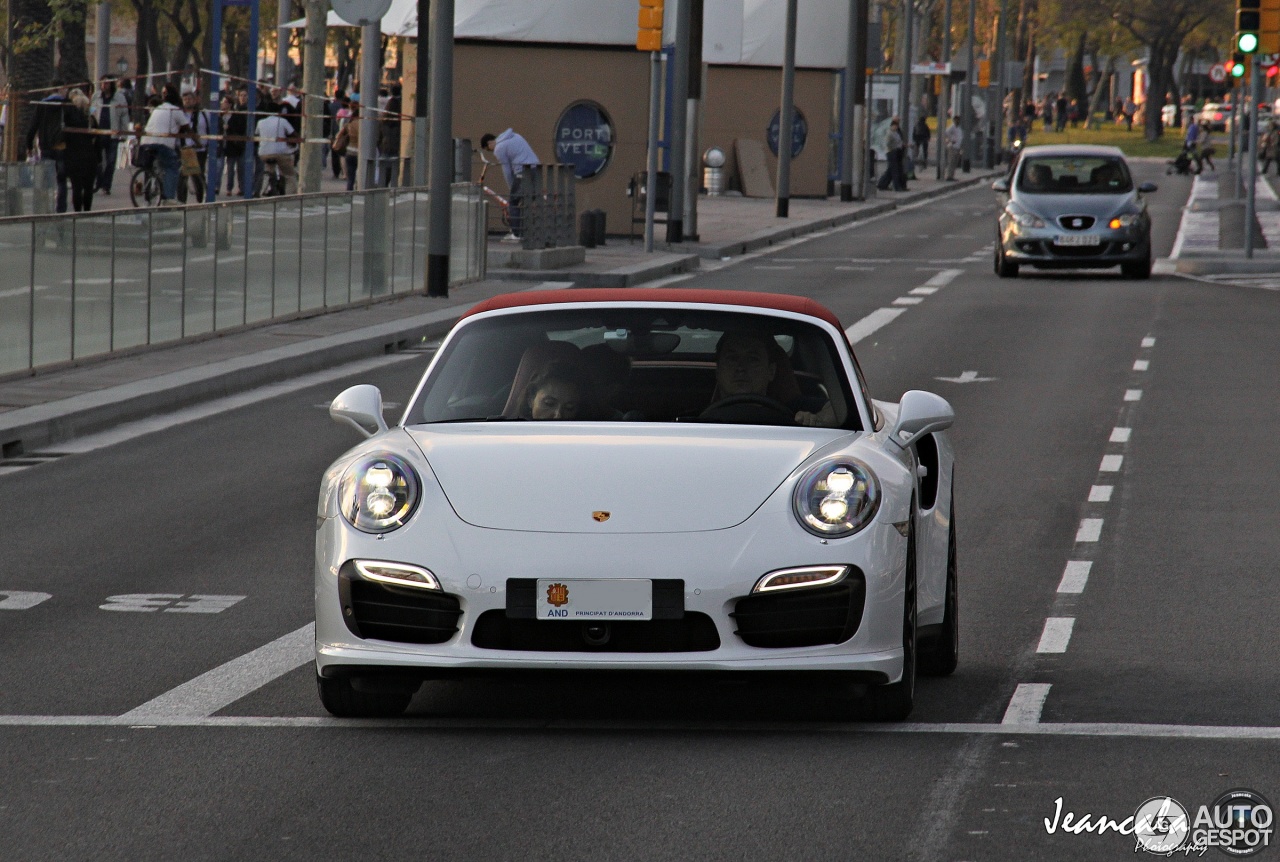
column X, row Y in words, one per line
column 639, row 365
column 1074, row 175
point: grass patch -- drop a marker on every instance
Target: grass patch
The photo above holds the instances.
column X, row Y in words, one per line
column 1133, row 143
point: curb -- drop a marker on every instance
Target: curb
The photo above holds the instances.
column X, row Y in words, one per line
column 623, row 276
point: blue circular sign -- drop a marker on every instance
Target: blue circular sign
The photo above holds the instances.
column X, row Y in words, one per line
column 584, row 139
column 799, row 132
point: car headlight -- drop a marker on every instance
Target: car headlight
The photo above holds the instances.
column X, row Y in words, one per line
column 836, row 498
column 1024, row 218
column 1126, row 220
column 378, row 493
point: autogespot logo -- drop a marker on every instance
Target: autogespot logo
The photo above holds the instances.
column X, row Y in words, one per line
column 1239, row 823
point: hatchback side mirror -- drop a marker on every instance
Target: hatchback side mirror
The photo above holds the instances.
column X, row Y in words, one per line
column 1148, row 188
column 920, row 413
column 361, row 408
column 1000, row 185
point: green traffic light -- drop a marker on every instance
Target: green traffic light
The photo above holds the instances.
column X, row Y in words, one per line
column 1237, row 71
column 1247, row 42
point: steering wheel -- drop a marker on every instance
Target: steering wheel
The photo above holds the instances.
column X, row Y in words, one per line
column 750, row 410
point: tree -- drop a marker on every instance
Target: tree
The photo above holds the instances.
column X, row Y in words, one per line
column 31, row 68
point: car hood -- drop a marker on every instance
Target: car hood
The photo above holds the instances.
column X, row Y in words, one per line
column 544, row 477
column 1101, row 207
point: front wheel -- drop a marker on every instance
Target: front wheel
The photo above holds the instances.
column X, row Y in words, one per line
column 893, row 702
column 1004, row 267
column 1139, row 270
column 943, row 654
column 144, row 188
column 344, row 700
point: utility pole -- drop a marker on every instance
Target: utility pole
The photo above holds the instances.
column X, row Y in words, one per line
column 1002, row 37
column 679, row 123
column 284, row 68
column 370, row 75
column 855, row 57
column 440, row 196
column 422, row 86
column 102, row 43
column 786, row 113
column 904, row 83
column 944, row 90
column 311, row 162
column 1251, row 193
column 970, row 123
column 692, row 150
column 651, row 168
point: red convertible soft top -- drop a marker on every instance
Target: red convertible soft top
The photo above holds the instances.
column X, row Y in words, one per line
column 775, row 301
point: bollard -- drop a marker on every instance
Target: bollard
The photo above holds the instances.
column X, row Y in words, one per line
column 587, row 229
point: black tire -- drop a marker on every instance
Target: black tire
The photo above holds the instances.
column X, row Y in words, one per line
column 942, row 654
column 144, row 188
column 341, row 699
column 1004, row 267
column 893, row 702
column 1139, row 270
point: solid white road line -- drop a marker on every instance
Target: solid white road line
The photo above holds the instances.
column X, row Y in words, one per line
column 871, row 323
column 1148, row 342
column 1075, row 576
column 944, row 278
column 1056, row 635
column 224, row 685
column 1141, row 365
column 1026, row 704
column 1090, row 530
column 1100, row 493
column 1120, row 435
column 923, row 291
column 1110, row 463
column 908, row 300
column 1133, row 395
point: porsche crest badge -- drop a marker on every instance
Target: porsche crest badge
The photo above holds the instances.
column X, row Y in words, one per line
column 601, row 517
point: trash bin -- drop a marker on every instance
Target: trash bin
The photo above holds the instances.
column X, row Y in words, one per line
column 591, row 228
column 713, row 171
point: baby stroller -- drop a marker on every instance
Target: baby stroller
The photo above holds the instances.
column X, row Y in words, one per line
column 1182, row 164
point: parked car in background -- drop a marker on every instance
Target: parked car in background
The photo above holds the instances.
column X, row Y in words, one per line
column 1214, row 116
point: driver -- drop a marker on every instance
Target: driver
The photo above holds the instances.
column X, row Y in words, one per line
column 745, row 365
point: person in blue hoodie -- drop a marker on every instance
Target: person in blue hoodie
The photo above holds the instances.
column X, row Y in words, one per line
column 514, row 154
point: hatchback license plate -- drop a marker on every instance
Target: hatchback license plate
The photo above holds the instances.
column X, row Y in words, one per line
column 1079, row 239
column 595, row 599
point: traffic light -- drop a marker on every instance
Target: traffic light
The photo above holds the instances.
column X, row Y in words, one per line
column 649, row 34
column 1269, row 27
column 1248, row 25
column 1237, row 66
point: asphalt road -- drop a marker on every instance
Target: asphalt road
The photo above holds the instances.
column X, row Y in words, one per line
column 1126, row 636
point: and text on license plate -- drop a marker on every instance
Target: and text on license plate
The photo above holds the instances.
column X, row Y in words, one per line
column 1078, row 239
column 595, row 599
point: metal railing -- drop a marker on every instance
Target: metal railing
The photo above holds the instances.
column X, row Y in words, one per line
column 82, row 285
column 27, row 188
column 548, row 206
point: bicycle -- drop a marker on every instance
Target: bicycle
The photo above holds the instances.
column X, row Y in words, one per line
column 503, row 205
column 146, row 183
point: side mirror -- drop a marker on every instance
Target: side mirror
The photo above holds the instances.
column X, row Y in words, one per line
column 920, row 413
column 361, row 408
column 1148, row 188
column 1000, row 185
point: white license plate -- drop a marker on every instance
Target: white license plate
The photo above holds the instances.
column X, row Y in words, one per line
column 1078, row 239
column 595, row 599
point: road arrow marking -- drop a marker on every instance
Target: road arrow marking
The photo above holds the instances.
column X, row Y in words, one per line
column 966, row 377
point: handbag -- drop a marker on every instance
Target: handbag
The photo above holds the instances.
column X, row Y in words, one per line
column 190, row 162
column 341, row 141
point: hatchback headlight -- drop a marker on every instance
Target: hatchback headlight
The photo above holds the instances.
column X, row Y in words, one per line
column 1126, row 220
column 836, row 498
column 1024, row 218
column 378, row 493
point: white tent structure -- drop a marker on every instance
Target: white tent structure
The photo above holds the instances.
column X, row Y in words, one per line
column 736, row 32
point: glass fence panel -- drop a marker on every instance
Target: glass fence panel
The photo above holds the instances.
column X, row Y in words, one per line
column 419, row 237
column 287, row 261
column 459, row 237
column 403, row 251
column 168, row 259
column 15, row 296
column 92, row 288
column 260, row 268
column 230, row 238
column 200, row 284
column 131, row 296
column 360, row 207
column 314, row 238
column 53, row 249
column 337, row 250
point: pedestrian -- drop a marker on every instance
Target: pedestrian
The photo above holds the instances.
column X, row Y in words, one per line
column 920, row 136
column 1269, row 149
column 164, row 127
column 895, row 154
column 332, row 122
column 46, row 128
column 389, row 140
column 235, row 131
column 81, row 151
column 1206, row 152
column 276, row 151
column 1130, row 109
column 347, row 143
column 1060, row 107
column 954, row 139
column 110, row 110
column 514, row 155
column 340, row 118
column 203, row 127
column 1191, row 139
column 1046, row 111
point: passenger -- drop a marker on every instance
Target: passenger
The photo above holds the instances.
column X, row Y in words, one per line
column 562, row 391
column 748, row 364
column 1040, row 178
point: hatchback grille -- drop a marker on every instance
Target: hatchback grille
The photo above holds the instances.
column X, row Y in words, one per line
column 1076, row 222
column 803, row 617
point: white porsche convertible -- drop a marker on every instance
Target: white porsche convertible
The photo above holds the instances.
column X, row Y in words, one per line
column 640, row 479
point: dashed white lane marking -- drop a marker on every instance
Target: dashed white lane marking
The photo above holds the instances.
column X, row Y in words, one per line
column 1133, row 395
column 13, row 600
column 944, row 278
column 908, row 300
column 1148, row 342
column 1026, row 704
column 1100, row 493
column 1075, row 577
column 1110, row 463
column 224, row 685
column 1090, row 530
column 872, row 322
column 1120, row 435
column 1141, row 365
column 923, row 291
column 1056, row 635
column 855, row 269
column 767, row 266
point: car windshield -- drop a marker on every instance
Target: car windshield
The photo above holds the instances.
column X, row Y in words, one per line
column 1074, row 175
column 639, row 365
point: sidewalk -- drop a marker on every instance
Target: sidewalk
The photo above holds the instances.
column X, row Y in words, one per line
column 1212, row 231
column 42, row 409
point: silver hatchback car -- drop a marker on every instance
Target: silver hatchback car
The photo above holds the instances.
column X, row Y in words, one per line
column 1072, row 207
